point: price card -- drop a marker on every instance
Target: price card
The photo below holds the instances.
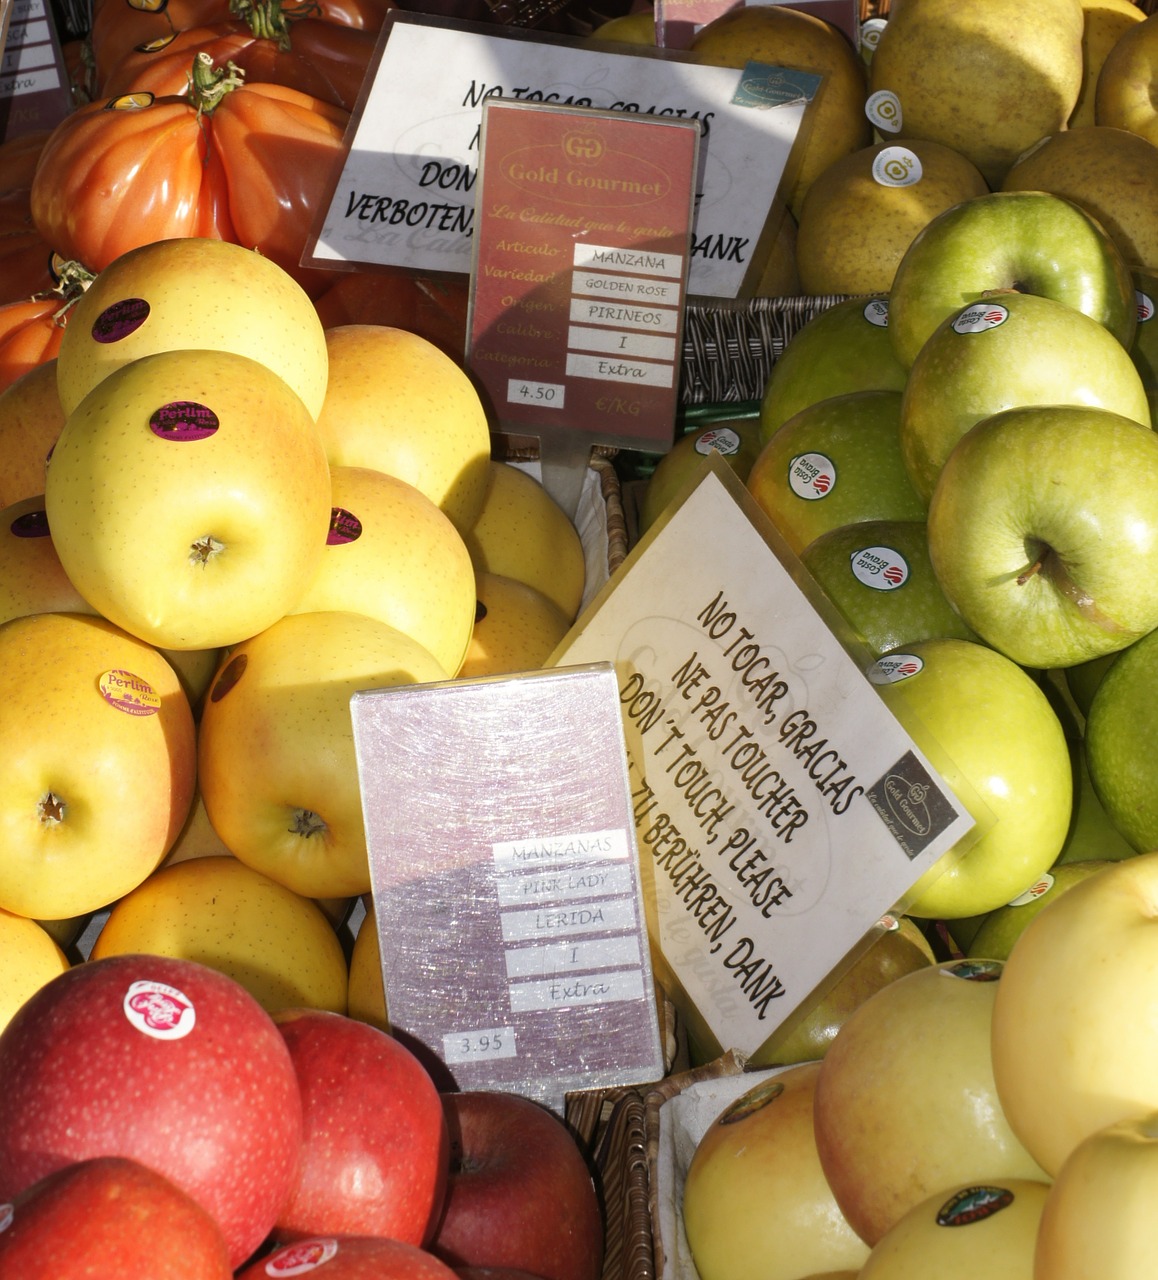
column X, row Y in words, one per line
column 506, row 880
column 405, row 195
column 781, row 809
column 582, row 232
column 34, row 90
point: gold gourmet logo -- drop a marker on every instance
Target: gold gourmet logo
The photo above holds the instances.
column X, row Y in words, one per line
column 582, row 171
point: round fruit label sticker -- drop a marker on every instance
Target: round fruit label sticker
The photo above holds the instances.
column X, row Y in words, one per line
column 7, row 1211
column 883, row 109
column 971, row 970
column 120, row 319
column 881, row 568
column 31, row 524
column 895, row 667
column 1145, row 306
column 229, row 676
column 158, row 1010
column 344, row 527
column 870, row 32
column 718, row 440
column 129, row 693
column 877, row 312
column 183, row 420
column 300, row 1258
column 896, row 167
column 980, row 316
column 1035, row 891
column 973, row 1204
column 811, row 476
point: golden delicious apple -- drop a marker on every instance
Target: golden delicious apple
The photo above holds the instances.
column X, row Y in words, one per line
column 521, row 532
column 1124, row 95
column 276, row 761
column 29, row 957
column 864, row 210
column 988, row 79
column 197, row 838
column 99, row 752
column 516, row 628
column 193, row 292
column 1105, row 171
column 835, row 123
column 189, row 498
column 365, row 993
column 394, row 554
column 964, row 1232
column 737, row 440
column 31, row 418
column 636, row 27
column 397, row 403
column 906, row 1103
column 216, row 910
column 1075, row 1024
column 756, row 1204
column 1104, row 21
column 1098, row 1218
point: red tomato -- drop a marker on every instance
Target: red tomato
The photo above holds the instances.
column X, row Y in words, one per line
column 30, row 334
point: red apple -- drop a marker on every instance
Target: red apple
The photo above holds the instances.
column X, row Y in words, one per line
column 375, row 1152
column 520, row 1194
column 341, row 1257
column 162, row 1060
column 110, row 1216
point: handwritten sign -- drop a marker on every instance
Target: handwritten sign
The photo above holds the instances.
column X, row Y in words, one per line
column 505, row 880
column 767, row 774
column 405, row 196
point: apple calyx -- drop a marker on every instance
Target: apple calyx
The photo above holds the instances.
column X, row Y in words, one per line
column 1049, row 564
column 204, row 549
column 50, row 809
column 307, row 823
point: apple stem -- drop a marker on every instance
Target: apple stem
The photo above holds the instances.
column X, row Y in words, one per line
column 307, row 823
column 1024, row 576
column 50, row 809
column 204, row 549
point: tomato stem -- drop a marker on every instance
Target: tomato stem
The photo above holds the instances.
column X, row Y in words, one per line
column 208, row 84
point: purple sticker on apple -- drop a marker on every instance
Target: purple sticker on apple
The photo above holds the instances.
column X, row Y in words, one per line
column 344, row 527
column 32, row 524
column 119, row 320
column 183, row 420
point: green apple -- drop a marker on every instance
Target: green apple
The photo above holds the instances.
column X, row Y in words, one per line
column 843, row 348
column 1098, row 1218
column 1030, row 241
column 835, row 463
column 960, row 1233
column 756, row 1204
column 1075, row 1024
column 1009, row 350
column 1043, row 529
column 906, row 1103
column 737, row 440
column 899, row 948
column 1144, row 348
column 988, row 727
column 1121, row 741
column 1001, row 928
column 1124, row 94
column 1092, row 836
column 879, row 576
column 864, row 210
column 981, row 78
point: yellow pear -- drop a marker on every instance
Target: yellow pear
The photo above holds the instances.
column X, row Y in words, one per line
column 1104, row 22
column 637, row 27
column 1124, row 94
column 31, row 418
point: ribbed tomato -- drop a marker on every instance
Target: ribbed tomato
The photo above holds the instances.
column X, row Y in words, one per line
column 30, row 334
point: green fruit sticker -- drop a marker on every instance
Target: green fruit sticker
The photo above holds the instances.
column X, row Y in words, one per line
column 717, row 440
column 895, row 667
column 980, row 317
column 881, row 568
column 811, row 476
column 129, row 693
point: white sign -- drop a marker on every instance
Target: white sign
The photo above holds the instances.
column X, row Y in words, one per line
column 405, row 196
column 770, row 783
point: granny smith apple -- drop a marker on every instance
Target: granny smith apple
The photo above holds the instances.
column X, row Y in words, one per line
column 1122, row 741
column 1144, row 348
column 835, row 463
column 1092, row 835
column 1008, row 350
column 843, row 348
column 988, row 728
column 1030, row 241
column 879, row 576
column 1083, row 678
column 1043, row 531
column 736, row 440
column 1000, row 929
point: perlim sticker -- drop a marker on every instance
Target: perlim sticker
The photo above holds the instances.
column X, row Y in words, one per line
column 881, row 568
column 302, row 1257
column 129, row 693
column 896, row 167
column 979, row 317
column 973, row 1204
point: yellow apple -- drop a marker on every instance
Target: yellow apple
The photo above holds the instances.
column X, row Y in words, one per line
column 906, row 1103
column 396, row 403
column 965, row 1232
column 1104, row 21
column 736, row 440
column 31, row 418
column 636, row 27
column 189, row 498
column 99, row 752
column 835, row 122
column 276, row 761
column 1124, row 95
column 29, row 957
column 193, row 292
column 393, row 554
column 1075, row 1025
column 516, row 628
column 1098, row 1218
column 365, row 995
column 521, row 532
column 756, row 1204
column 216, row 910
